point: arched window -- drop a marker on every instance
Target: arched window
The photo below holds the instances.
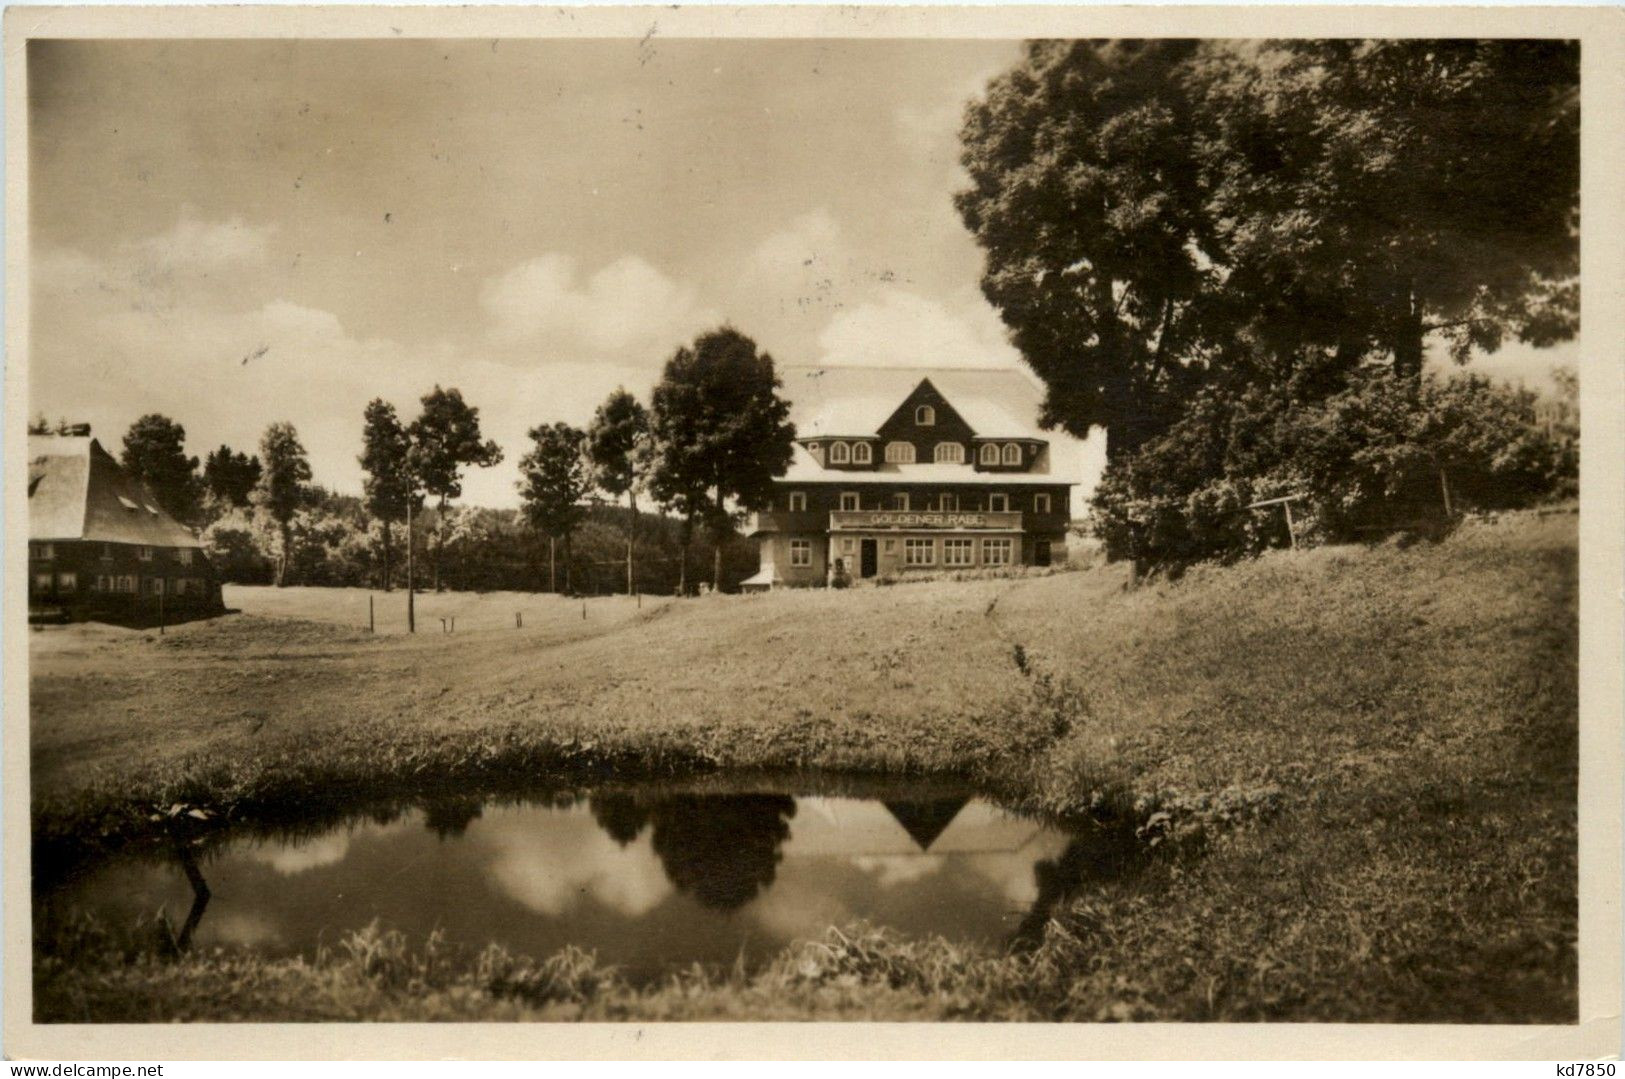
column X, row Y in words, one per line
column 899, row 453
column 949, row 453
column 925, row 416
column 990, row 453
column 1012, row 453
column 839, row 453
column 862, row 453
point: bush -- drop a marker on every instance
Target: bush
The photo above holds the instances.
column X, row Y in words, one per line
column 1380, row 455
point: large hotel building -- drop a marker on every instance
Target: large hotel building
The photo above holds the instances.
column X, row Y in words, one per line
column 899, row 470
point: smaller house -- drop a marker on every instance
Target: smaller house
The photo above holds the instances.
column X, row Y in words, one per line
column 100, row 545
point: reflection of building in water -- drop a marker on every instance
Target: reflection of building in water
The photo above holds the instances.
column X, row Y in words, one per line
column 925, row 821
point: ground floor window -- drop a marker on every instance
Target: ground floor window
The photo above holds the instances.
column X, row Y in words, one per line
column 800, row 552
column 42, row 582
column 67, row 582
column 919, row 552
column 127, row 583
column 996, row 552
column 1041, row 503
column 846, row 545
column 957, row 552
column 155, row 586
column 891, row 545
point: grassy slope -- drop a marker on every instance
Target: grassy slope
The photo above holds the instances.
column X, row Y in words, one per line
column 1415, row 708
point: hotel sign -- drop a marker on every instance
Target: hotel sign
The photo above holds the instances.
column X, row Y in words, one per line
column 923, row 519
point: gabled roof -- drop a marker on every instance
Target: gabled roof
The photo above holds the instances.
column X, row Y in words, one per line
column 1001, row 402
column 76, row 491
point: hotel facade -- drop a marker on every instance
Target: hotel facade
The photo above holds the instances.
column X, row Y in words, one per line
column 910, row 470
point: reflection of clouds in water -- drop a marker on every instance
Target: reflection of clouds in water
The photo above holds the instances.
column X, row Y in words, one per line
column 890, row 870
column 1013, row 874
column 302, row 855
column 245, row 928
column 802, row 912
column 291, row 858
column 550, row 869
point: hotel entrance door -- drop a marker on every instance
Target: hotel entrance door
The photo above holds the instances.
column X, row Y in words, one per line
column 867, row 558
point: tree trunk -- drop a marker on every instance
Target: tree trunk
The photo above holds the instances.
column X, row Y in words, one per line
column 282, row 560
column 552, row 564
column 387, row 566
column 439, row 539
column 1407, row 343
column 569, row 578
column 631, row 535
column 682, row 555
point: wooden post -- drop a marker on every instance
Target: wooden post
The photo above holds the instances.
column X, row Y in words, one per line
column 1444, row 485
column 518, row 620
column 1291, row 532
column 629, row 566
column 411, row 582
column 552, row 565
column 372, row 625
column 454, row 623
column 163, row 586
column 583, row 610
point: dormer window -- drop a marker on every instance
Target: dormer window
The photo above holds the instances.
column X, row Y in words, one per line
column 899, row 453
column 989, row 453
column 840, row 453
column 925, row 416
column 862, row 453
column 1012, row 453
column 798, row 501
column 949, row 453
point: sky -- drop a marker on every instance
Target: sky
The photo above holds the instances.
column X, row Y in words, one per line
column 236, row 233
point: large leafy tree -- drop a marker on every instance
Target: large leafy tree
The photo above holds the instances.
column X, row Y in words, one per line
column 1085, row 196
column 617, row 449
column 230, row 476
column 1371, row 194
column 445, row 440
column 155, row 453
column 720, row 432
column 282, row 487
column 389, row 485
column 553, row 479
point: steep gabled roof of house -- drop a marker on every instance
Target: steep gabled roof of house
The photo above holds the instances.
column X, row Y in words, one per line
column 852, row 401
column 76, row 491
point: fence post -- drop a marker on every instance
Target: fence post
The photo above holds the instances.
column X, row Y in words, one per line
column 372, row 625
column 518, row 620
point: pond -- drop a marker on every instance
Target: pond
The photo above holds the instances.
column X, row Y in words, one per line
column 650, row 880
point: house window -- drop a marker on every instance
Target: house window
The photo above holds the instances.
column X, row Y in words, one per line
column 849, row 500
column 949, row 453
column 840, row 453
column 1041, row 503
column 899, row 453
column 1012, row 453
column 155, row 586
column 919, row 552
column 800, row 552
column 41, row 551
column 846, row 545
column 798, row 501
column 957, row 552
column 127, row 583
column 107, row 552
column 925, row 416
column 42, row 582
column 989, row 453
column 862, row 453
column 899, row 501
column 996, row 552
column 67, row 582
column 998, row 503
column 184, row 556
column 891, row 545
column 145, row 554
column 948, row 503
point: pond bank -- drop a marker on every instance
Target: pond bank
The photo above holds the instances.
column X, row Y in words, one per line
column 1407, row 715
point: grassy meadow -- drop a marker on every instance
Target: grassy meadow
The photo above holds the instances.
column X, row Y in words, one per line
column 1358, row 764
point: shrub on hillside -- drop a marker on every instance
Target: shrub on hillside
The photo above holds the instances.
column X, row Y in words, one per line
column 1380, row 455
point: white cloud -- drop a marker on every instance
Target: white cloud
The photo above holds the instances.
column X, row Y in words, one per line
column 627, row 304
column 903, row 328
column 205, row 245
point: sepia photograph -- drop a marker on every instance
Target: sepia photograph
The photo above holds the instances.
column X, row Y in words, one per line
column 659, row 527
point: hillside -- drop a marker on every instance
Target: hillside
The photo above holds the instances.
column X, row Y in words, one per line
column 1372, row 750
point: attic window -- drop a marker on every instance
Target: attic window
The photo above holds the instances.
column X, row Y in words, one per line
column 951, row 453
column 925, row 416
column 900, row 453
column 1012, row 453
column 839, row 453
column 862, row 453
column 989, row 453
column 127, row 504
